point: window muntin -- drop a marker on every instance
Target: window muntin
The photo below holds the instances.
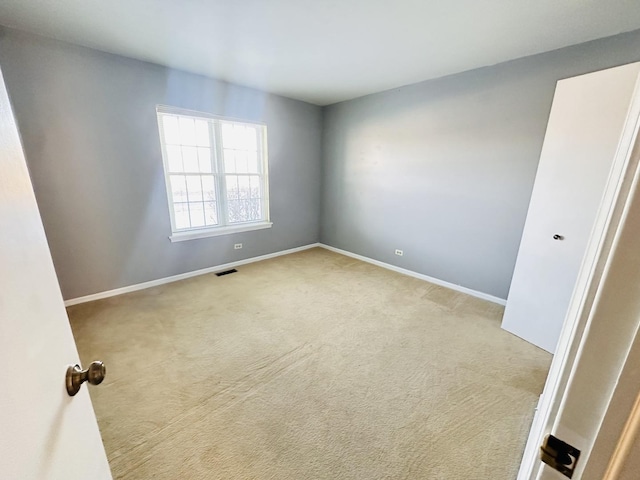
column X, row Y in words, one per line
column 215, row 171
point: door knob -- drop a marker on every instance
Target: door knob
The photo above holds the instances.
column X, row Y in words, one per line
column 76, row 376
column 558, row 237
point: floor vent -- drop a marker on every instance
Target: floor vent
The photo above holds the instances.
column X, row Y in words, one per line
column 226, row 272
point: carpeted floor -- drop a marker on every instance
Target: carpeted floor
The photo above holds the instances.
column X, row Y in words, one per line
column 309, row 366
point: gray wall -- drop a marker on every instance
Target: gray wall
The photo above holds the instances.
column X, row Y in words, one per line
column 444, row 169
column 89, row 132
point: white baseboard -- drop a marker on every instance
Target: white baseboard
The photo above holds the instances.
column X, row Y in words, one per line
column 227, row 266
column 411, row 273
column 182, row 276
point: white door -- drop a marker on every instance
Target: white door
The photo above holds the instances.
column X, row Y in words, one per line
column 44, row 433
column 586, row 121
column 591, row 399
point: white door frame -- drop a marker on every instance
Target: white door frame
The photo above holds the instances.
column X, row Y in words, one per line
column 583, row 316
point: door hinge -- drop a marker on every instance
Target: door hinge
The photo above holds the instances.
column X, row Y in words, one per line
column 559, row 455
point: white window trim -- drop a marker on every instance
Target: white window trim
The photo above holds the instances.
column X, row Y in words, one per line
column 213, row 231
column 217, row 231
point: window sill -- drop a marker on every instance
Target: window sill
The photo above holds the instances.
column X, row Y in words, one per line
column 215, row 232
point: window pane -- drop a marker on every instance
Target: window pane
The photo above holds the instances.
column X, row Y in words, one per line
column 181, row 215
column 244, row 188
column 194, row 188
column 241, row 161
column 228, row 135
column 210, row 213
column 196, row 214
column 229, row 161
column 187, row 131
column 255, row 209
column 174, row 158
column 190, row 159
column 171, row 129
column 238, row 211
column 244, row 210
column 204, row 159
column 251, row 139
column 232, row 211
column 232, row 187
column 252, row 162
column 255, row 186
column 208, row 188
column 241, row 135
column 202, row 133
column 178, row 188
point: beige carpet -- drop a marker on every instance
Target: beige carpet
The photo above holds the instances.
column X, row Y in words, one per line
column 309, row 366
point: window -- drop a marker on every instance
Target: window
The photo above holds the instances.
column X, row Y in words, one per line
column 216, row 174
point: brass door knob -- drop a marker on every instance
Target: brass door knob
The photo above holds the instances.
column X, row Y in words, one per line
column 76, row 376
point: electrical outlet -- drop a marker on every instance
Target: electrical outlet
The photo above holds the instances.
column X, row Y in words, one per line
column 237, row 246
column 399, row 252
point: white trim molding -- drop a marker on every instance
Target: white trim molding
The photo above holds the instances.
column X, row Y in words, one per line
column 183, row 276
column 194, row 234
column 426, row 278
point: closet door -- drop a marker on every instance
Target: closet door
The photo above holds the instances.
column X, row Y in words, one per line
column 584, row 128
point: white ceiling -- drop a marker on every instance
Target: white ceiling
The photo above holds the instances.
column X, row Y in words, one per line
column 323, row 51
